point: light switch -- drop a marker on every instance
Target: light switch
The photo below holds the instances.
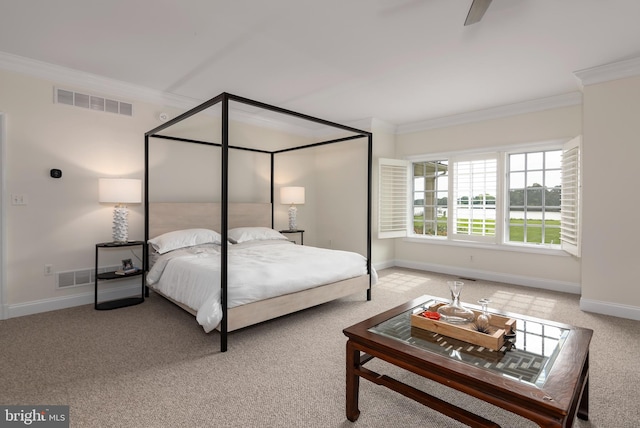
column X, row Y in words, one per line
column 18, row 199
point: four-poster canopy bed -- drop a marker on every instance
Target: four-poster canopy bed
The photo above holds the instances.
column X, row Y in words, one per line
column 214, row 223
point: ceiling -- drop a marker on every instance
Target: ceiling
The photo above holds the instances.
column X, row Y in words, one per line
column 399, row 61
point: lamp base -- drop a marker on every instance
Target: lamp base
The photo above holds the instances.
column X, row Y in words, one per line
column 120, row 224
column 292, row 218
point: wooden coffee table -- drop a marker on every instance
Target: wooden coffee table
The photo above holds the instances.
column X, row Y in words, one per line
column 543, row 376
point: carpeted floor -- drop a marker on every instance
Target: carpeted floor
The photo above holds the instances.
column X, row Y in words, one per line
column 151, row 365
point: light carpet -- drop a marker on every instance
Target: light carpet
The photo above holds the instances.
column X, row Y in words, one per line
column 151, row 365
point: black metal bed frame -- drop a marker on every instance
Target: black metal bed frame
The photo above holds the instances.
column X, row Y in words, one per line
column 224, row 100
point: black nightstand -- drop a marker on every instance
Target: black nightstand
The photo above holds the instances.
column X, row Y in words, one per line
column 107, row 276
column 300, row 231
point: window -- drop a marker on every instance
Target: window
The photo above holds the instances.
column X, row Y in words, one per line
column 522, row 196
column 535, row 188
column 475, row 191
column 430, row 197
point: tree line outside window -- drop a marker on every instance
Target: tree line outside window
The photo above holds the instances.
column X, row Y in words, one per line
column 532, row 206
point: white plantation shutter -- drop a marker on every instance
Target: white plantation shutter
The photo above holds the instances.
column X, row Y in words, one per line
column 473, row 177
column 393, row 200
column 570, row 200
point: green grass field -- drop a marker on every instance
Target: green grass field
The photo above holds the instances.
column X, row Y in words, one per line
column 534, row 231
column 516, row 229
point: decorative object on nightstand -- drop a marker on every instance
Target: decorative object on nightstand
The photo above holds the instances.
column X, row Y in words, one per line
column 292, row 196
column 120, row 191
column 300, row 231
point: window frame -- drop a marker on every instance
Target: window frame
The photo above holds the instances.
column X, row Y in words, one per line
column 464, row 158
column 424, row 206
column 500, row 242
column 507, row 196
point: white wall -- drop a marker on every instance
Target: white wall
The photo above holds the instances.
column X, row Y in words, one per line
column 384, row 146
column 295, row 168
column 3, row 250
column 62, row 221
column 341, row 183
column 182, row 171
column 541, row 270
column 611, row 152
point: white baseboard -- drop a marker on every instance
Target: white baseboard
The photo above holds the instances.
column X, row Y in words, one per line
column 384, row 265
column 609, row 308
column 527, row 281
column 53, row 304
column 587, row 305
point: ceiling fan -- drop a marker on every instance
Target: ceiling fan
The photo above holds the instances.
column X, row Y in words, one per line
column 477, row 10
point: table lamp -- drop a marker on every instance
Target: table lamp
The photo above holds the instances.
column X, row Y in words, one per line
column 120, row 191
column 292, row 196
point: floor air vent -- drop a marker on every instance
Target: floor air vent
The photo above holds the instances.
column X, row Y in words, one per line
column 92, row 102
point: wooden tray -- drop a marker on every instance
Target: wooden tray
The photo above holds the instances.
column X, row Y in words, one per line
column 465, row 332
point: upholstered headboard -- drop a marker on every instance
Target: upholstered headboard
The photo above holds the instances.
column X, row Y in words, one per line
column 169, row 216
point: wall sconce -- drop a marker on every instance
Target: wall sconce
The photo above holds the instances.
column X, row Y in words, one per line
column 292, row 196
column 120, row 191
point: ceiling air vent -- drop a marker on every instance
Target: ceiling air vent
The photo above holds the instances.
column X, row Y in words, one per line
column 92, row 102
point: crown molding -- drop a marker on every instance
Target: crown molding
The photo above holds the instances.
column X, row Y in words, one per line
column 68, row 76
column 607, row 72
column 116, row 88
column 119, row 89
column 365, row 124
column 371, row 124
column 278, row 125
column 383, row 126
column 557, row 101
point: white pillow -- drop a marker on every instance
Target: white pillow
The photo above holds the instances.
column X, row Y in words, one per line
column 245, row 234
column 184, row 238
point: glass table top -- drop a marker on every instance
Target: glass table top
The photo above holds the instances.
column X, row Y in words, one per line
column 527, row 358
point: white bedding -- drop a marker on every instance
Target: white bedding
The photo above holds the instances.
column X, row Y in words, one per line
column 257, row 270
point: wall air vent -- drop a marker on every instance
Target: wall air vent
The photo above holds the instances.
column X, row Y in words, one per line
column 92, row 102
column 77, row 278
column 74, row 278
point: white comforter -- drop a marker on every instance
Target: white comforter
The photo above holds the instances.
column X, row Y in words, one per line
column 257, row 270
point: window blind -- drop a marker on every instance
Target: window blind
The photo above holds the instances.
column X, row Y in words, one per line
column 570, row 198
column 393, row 198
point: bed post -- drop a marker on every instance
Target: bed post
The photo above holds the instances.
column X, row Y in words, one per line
column 369, row 199
column 272, row 189
column 224, row 221
column 145, row 247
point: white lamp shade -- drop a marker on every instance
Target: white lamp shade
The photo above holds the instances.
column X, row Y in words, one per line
column 120, row 190
column 292, row 195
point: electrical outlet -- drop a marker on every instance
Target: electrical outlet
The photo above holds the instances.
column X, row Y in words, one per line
column 48, row 270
